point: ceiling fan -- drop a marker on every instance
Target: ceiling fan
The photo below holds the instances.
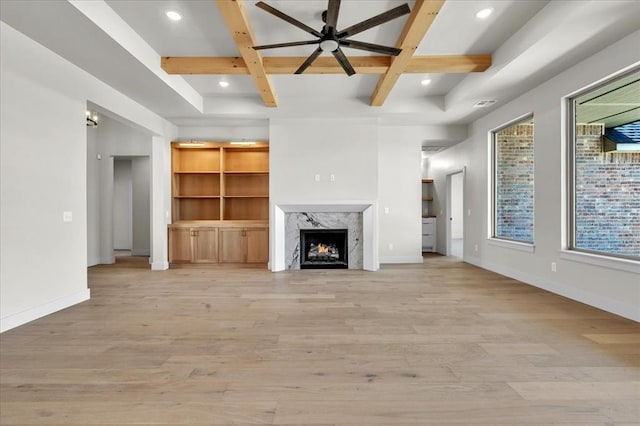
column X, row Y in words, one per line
column 329, row 39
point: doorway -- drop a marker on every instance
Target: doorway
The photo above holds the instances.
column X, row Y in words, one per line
column 455, row 214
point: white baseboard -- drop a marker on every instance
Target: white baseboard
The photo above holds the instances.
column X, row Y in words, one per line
column 401, row 259
column 141, row 252
column 15, row 320
column 107, row 260
column 160, row 266
column 626, row 310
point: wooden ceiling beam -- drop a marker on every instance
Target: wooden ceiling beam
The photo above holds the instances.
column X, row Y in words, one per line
column 419, row 21
column 234, row 15
column 326, row 65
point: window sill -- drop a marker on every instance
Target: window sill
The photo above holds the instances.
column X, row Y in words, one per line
column 514, row 245
column 600, row 260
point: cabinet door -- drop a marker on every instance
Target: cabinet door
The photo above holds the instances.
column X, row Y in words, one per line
column 179, row 245
column 205, row 245
column 232, row 245
column 257, row 245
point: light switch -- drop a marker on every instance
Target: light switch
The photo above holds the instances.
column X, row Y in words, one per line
column 317, row 178
column 332, row 177
column 386, row 210
column 67, row 216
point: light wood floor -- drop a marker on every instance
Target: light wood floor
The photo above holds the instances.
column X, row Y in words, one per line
column 439, row 343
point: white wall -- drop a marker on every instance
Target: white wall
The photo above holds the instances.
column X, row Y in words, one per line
column 370, row 163
column 300, row 149
column 43, row 260
column 141, row 214
column 610, row 288
column 400, row 191
column 457, row 216
column 122, row 205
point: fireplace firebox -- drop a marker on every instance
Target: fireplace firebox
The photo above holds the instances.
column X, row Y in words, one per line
column 323, row 249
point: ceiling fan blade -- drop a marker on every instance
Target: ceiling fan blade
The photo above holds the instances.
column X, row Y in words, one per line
column 262, row 5
column 344, row 62
column 387, row 16
column 370, row 47
column 309, row 61
column 293, row 43
column 333, row 9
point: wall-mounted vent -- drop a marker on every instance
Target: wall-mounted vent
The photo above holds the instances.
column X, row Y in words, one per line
column 485, row 103
column 433, row 149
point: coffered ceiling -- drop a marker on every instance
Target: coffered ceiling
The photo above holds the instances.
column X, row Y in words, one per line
column 131, row 44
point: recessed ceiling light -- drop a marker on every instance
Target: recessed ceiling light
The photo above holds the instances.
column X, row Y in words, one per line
column 173, row 15
column 425, row 82
column 484, row 13
column 223, row 83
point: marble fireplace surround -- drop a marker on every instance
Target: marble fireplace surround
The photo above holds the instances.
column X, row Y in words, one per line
column 369, row 242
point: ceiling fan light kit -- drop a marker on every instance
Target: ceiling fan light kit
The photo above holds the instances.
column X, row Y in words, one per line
column 329, row 39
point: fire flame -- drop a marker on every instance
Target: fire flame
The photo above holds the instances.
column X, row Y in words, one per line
column 322, row 248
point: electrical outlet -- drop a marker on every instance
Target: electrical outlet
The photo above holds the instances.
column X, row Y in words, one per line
column 386, row 210
column 390, row 246
column 67, row 216
column 475, row 247
column 553, row 266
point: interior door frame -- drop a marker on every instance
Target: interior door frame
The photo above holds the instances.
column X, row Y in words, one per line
column 448, row 212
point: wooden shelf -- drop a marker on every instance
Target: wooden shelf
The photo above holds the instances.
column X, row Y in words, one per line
column 245, row 172
column 196, row 196
column 219, row 181
column 427, row 180
column 197, row 172
column 427, row 198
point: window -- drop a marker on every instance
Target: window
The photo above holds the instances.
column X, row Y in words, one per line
column 604, row 166
column 513, row 181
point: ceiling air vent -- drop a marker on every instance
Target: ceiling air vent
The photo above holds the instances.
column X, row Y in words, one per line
column 485, row 103
column 432, row 149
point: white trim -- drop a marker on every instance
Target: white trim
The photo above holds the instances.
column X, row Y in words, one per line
column 623, row 309
column 600, row 260
column 402, row 259
column 109, row 260
column 15, row 320
column 163, row 265
column 448, row 212
column 514, row 245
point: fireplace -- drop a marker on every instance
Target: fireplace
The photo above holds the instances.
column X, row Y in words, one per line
column 323, row 249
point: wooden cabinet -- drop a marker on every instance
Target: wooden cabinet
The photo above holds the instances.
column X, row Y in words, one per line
column 219, row 242
column 193, row 245
column 257, row 241
column 240, row 245
column 204, row 245
column 179, row 245
column 232, row 248
column 220, row 202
